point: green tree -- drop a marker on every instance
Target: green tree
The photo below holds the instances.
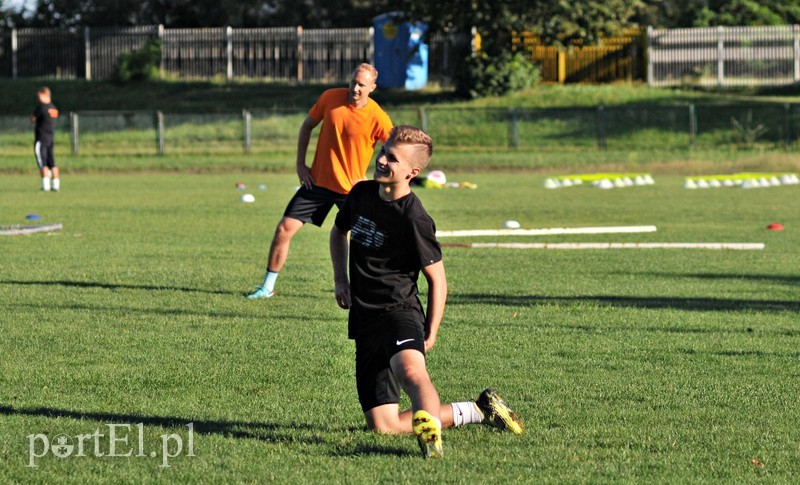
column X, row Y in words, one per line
column 558, row 22
column 208, row 13
column 711, row 13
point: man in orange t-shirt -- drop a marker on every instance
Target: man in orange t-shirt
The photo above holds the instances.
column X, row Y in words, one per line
column 352, row 124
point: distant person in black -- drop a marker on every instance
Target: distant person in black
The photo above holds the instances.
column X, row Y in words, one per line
column 45, row 116
column 393, row 240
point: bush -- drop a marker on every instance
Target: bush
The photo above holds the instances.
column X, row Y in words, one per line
column 141, row 64
column 500, row 75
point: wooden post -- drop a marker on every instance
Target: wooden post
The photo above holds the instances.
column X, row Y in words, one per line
column 247, row 120
column 513, row 141
column 74, row 131
column 649, row 55
column 160, row 131
column 371, row 54
column 796, row 32
column 787, row 126
column 692, row 125
column 161, row 43
column 14, row 47
column 561, row 57
column 601, row 127
column 299, row 54
column 720, row 55
column 229, row 52
column 87, row 50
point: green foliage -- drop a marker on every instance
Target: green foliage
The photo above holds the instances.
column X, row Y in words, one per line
column 745, row 132
column 499, row 75
column 710, row 13
column 140, row 65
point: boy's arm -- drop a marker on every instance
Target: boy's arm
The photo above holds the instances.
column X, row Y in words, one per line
column 339, row 248
column 437, row 295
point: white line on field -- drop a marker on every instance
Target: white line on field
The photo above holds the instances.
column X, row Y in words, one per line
column 16, row 229
column 545, row 232
column 607, row 245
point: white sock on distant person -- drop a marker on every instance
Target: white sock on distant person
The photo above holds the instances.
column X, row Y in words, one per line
column 46, row 184
column 56, row 184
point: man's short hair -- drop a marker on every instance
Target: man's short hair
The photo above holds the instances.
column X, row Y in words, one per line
column 410, row 135
column 369, row 68
column 43, row 90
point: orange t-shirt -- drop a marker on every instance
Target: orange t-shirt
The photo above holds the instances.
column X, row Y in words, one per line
column 346, row 140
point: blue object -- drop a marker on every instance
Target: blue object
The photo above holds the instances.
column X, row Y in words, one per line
column 32, row 217
column 401, row 56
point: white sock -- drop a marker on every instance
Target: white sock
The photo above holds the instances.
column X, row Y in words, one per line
column 46, row 183
column 269, row 281
column 466, row 413
column 56, row 184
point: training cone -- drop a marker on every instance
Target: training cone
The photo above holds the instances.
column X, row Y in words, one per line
column 605, row 184
column 551, row 184
column 689, row 184
column 775, row 227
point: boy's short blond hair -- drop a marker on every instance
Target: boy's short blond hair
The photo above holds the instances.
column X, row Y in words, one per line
column 410, row 135
column 43, row 90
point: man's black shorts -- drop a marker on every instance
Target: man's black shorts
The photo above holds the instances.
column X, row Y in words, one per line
column 388, row 334
column 312, row 205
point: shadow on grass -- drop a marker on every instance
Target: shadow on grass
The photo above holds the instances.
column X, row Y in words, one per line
column 294, row 432
column 654, row 302
column 269, row 432
column 113, row 286
column 791, row 280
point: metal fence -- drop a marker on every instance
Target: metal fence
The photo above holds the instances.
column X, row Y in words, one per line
column 724, row 56
column 634, row 128
column 277, row 54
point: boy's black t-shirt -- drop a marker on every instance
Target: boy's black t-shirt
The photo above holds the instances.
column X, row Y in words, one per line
column 390, row 242
column 46, row 116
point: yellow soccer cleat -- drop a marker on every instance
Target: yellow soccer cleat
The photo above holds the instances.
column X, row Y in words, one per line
column 429, row 434
column 496, row 412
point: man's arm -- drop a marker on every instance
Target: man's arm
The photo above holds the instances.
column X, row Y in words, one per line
column 339, row 248
column 437, row 295
column 303, row 139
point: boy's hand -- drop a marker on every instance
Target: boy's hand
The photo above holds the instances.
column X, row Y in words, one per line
column 342, row 292
column 430, row 341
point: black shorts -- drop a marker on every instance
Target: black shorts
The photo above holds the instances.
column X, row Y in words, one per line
column 390, row 333
column 312, row 205
column 44, row 154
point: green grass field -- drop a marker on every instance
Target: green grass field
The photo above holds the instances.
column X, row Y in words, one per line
column 626, row 365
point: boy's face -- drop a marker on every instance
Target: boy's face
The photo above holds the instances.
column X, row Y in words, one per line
column 44, row 97
column 393, row 165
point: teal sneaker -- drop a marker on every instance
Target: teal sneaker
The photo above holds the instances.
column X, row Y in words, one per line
column 260, row 293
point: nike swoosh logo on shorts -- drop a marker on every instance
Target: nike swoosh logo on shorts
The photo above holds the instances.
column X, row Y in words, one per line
column 401, row 342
